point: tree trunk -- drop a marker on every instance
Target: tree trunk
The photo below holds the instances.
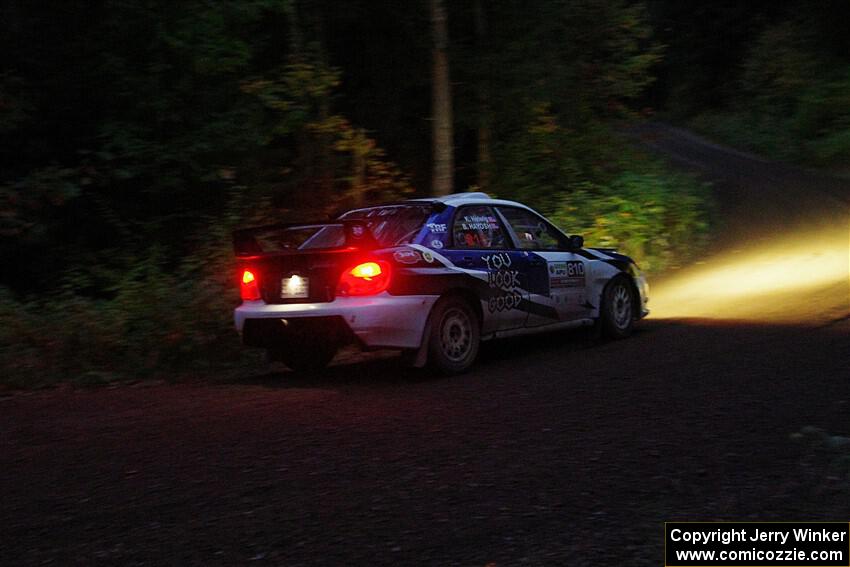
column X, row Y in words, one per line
column 295, row 40
column 442, row 136
column 484, row 131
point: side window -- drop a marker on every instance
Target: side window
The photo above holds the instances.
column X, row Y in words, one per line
column 532, row 232
column 477, row 227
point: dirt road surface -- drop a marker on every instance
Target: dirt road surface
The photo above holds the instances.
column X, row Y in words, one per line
column 554, row 451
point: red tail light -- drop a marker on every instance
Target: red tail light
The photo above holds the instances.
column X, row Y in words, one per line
column 248, row 287
column 367, row 278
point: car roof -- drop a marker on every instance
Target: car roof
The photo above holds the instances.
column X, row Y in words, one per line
column 474, row 198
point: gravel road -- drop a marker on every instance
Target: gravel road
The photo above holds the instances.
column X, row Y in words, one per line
column 554, row 451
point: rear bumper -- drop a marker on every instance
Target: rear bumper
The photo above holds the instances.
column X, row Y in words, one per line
column 380, row 321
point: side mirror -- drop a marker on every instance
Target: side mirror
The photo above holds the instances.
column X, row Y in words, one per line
column 576, row 241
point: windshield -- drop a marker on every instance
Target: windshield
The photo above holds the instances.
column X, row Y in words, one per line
column 392, row 225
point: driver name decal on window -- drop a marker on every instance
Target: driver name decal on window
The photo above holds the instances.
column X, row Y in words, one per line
column 477, row 227
column 479, row 222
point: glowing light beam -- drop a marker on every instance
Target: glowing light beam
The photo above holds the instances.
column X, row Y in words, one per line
column 802, row 278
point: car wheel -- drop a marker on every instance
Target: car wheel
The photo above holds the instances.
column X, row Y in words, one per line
column 618, row 309
column 305, row 359
column 455, row 336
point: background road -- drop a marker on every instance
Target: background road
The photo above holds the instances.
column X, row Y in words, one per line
column 553, row 451
column 782, row 253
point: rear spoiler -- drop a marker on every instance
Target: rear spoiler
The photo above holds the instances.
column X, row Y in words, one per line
column 357, row 235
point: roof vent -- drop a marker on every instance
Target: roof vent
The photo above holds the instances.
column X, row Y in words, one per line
column 462, row 196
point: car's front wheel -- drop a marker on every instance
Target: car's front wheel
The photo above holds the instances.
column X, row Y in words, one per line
column 455, row 336
column 618, row 309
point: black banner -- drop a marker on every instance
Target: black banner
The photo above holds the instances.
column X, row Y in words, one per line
column 757, row 544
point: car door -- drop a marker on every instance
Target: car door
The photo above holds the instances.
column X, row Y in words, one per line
column 481, row 245
column 557, row 274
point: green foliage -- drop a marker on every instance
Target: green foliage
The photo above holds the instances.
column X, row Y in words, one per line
column 571, row 69
column 595, row 54
column 160, row 318
column 27, row 201
column 541, row 162
column 300, row 95
column 350, row 167
column 121, row 240
column 592, row 183
column 779, row 66
column 141, row 133
column 658, row 218
column 158, row 323
column 15, row 109
column 794, row 97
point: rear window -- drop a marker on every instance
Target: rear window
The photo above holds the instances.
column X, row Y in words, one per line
column 392, row 225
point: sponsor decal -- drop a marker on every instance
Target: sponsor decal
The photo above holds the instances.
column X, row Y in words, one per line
column 427, row 256
column 436, row 228
column 566, row 274
column 407, row 256
column 436, row 244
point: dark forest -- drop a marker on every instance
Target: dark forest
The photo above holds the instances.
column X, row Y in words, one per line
column 137, row 135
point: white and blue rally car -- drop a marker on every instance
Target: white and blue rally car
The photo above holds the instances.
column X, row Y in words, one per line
column 433, row 277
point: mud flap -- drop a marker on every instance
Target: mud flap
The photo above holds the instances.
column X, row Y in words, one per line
column 420, row 359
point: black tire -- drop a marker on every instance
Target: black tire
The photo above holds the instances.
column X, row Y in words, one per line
column 617, row 312
column 455, row 336
column 305, row 359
